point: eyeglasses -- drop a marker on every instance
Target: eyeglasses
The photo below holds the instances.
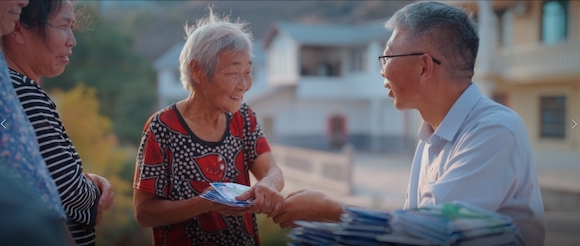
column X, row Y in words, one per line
column 383, row 59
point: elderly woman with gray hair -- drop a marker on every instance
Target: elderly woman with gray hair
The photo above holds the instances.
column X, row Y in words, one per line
column 211, row 136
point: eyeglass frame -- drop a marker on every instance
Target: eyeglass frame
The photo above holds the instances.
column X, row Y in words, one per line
column 381, row 58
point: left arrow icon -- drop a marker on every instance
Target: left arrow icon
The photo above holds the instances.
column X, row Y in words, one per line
column 2, row 123
column 575, row 123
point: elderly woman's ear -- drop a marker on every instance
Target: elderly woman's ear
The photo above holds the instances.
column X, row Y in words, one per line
column 196, row 73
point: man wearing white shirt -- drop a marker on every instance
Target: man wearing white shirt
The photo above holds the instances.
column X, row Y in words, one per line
column 479, row 154
column 471, row 149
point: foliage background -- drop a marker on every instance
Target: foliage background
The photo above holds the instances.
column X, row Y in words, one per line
column 125, row 82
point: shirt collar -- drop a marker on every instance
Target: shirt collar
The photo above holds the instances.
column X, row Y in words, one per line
column 425, row 132
column 458, row 113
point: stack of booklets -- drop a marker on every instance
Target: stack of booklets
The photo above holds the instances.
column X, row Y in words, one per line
column 454, row 223
column 358, row 226
column 226, row 193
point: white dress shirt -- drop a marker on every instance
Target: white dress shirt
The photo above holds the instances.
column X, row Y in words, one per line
column 480, row 154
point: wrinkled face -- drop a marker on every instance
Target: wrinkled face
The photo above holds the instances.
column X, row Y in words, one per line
column 10, row 14
column 401, row 73
column 50, row 56
column 232, row 78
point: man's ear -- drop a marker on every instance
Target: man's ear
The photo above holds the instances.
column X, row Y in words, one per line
column 18, row 34
column 427, row 65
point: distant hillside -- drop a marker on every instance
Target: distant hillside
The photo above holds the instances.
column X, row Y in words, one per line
column 156, row 25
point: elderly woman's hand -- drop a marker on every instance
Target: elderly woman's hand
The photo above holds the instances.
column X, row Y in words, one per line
column 267, row 199
column 228, row 210
column 224, row 209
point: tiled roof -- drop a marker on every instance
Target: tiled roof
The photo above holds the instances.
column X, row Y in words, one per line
column 330, row 34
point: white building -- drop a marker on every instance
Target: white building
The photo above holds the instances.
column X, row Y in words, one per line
column 169, row 87
column 316, row 86
column 324, row 88
column 529, row 60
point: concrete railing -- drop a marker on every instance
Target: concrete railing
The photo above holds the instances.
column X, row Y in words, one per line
column 324, row 171
column 560, row 199
column 537, row 62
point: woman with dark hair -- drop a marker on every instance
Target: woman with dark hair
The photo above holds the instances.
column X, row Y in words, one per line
column 39, row 46
column 28, row 198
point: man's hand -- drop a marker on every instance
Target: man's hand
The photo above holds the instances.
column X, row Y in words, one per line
column 107, row 194
column 308, row 205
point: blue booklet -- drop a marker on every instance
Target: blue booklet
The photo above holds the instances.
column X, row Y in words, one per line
column 226, row 193
column 446, row 223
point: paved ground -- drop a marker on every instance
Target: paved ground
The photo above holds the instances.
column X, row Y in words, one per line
column 380, row 181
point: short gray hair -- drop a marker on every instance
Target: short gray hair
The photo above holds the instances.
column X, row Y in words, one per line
column 207, row 39
column 450, row 29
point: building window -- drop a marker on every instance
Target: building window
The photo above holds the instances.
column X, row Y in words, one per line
column 337, row 130
column 358, row 58
column 501, row 29
column 323, row 69
column 320, row 61
column 501, row 98
column 553, row 117
column 554, row 21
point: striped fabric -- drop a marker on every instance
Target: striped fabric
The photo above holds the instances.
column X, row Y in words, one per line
column 77, row 193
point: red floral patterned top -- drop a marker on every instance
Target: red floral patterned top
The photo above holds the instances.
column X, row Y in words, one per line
column 175, row 164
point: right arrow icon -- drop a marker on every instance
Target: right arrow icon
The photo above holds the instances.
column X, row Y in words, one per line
column 575, row 123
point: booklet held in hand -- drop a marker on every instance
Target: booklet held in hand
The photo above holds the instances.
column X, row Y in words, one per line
column 226, row 193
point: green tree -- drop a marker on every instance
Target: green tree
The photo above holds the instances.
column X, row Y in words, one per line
column 104, row 59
